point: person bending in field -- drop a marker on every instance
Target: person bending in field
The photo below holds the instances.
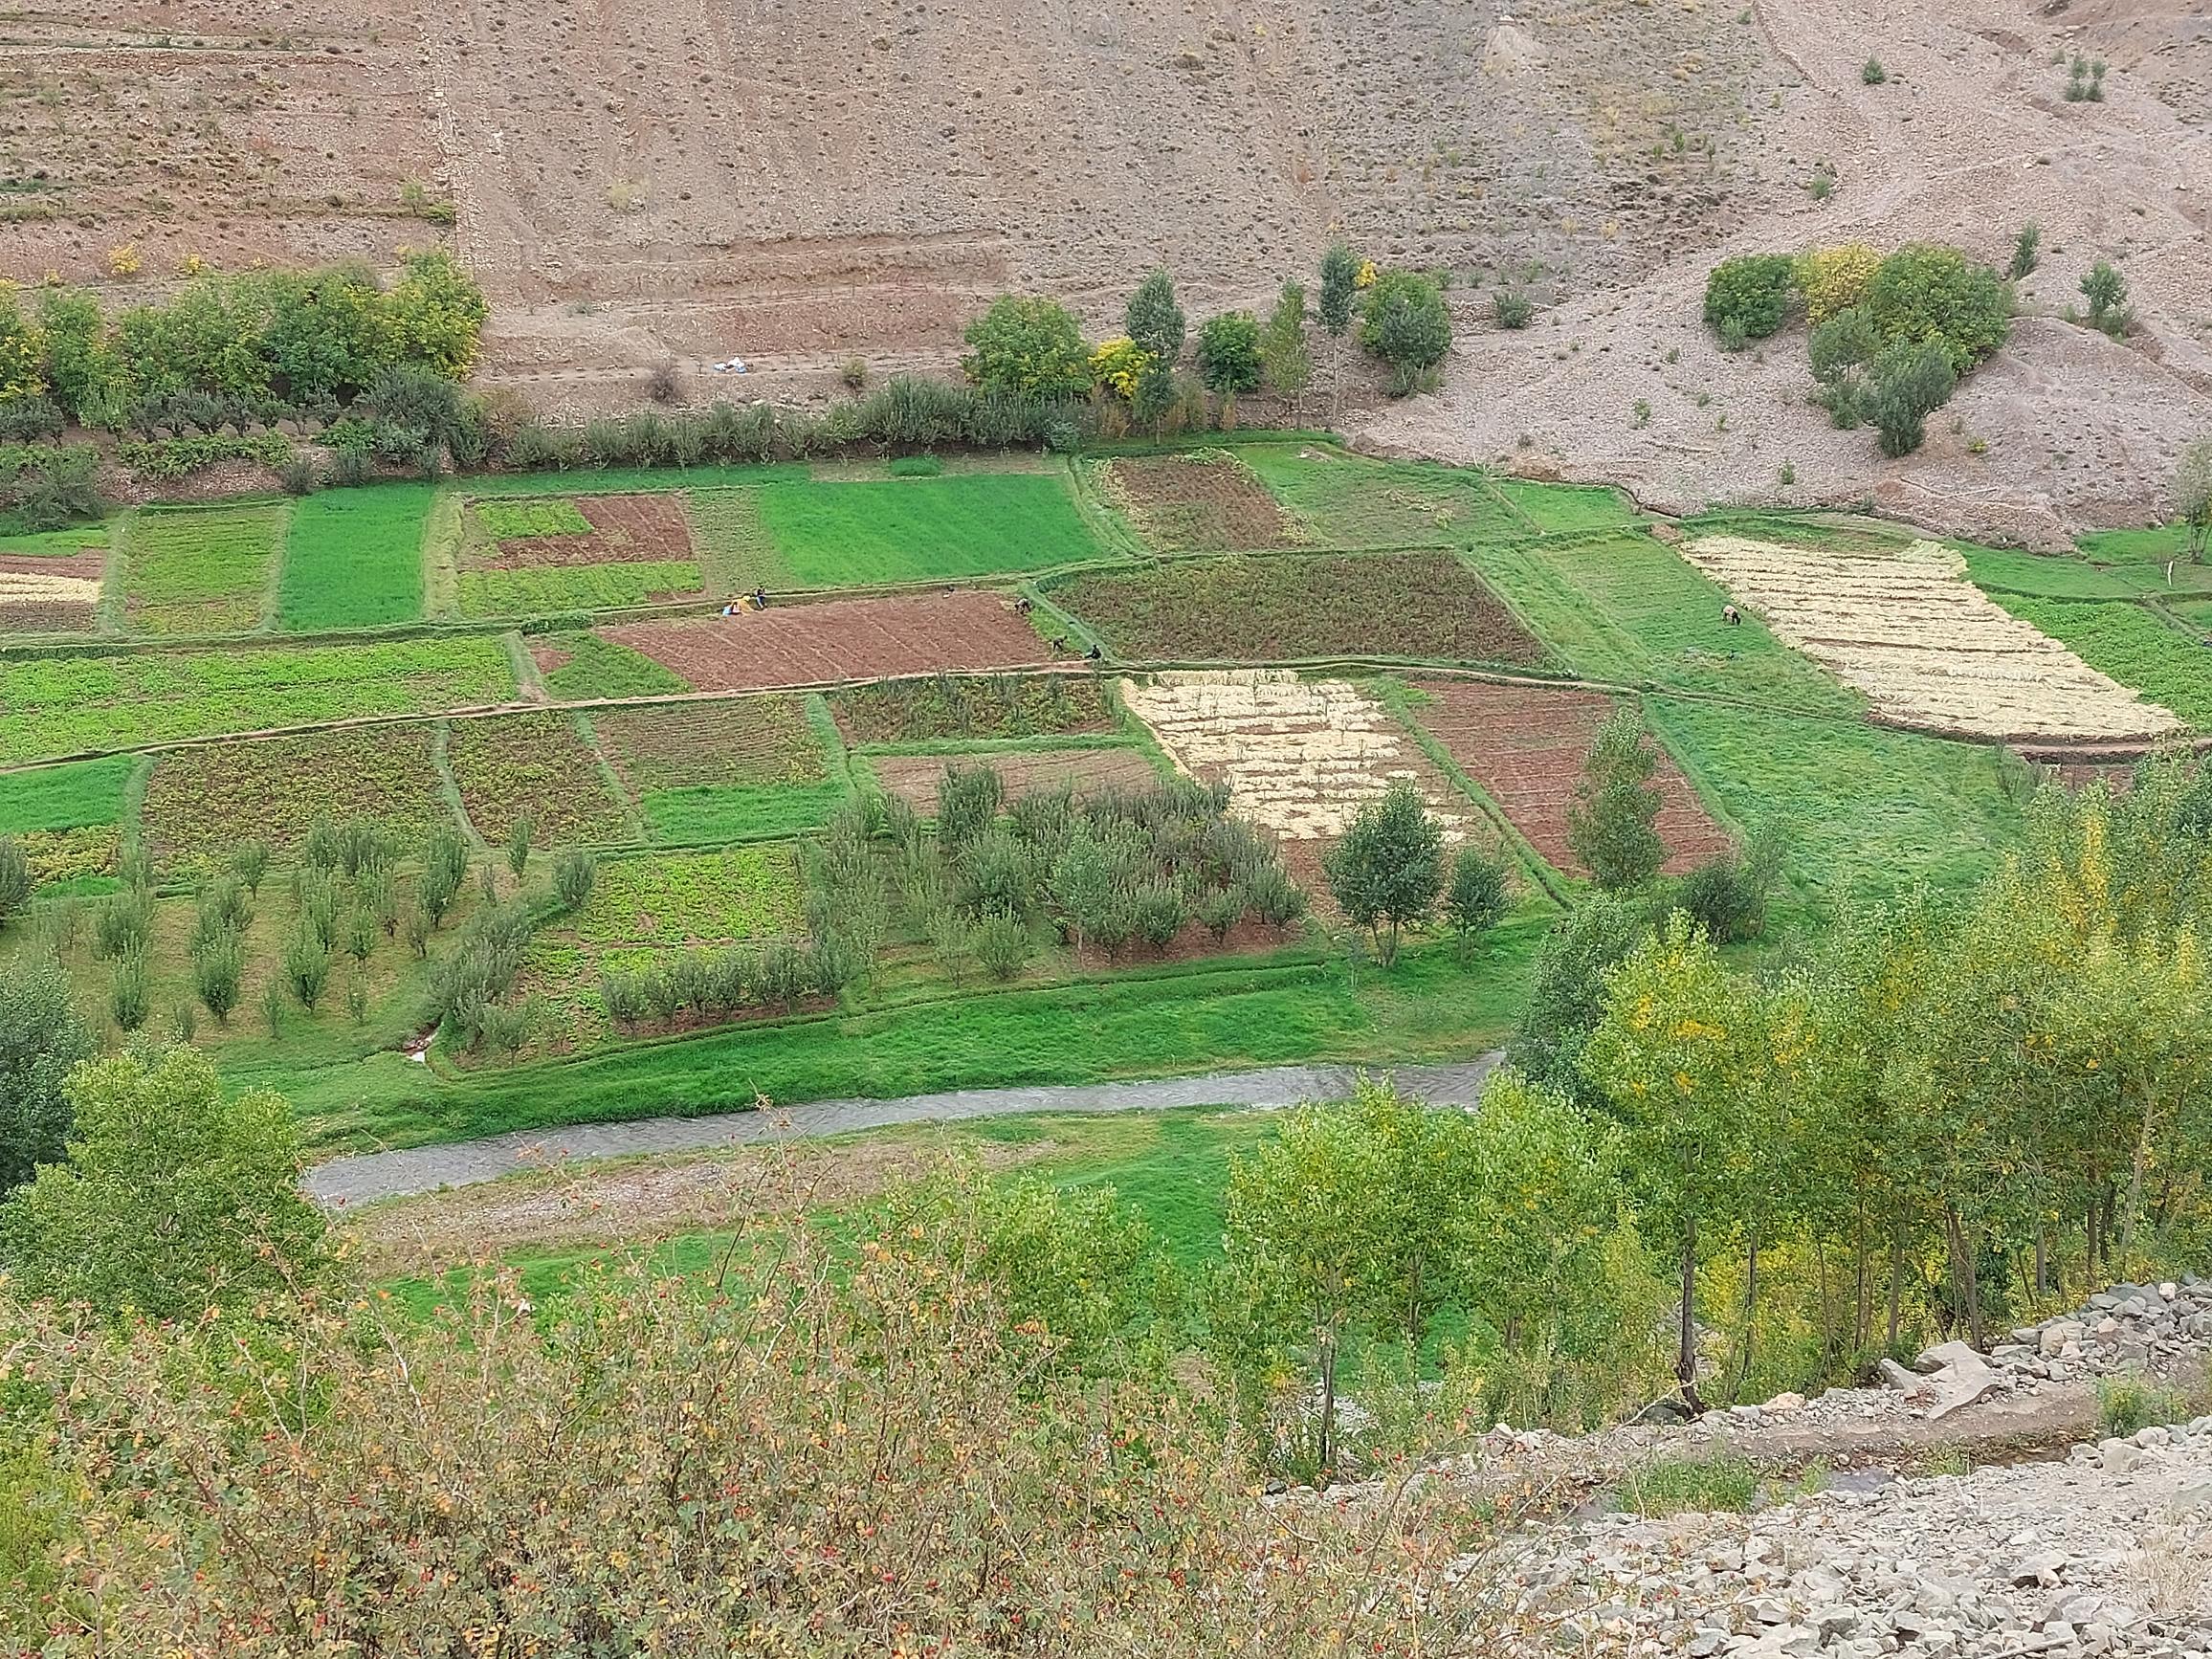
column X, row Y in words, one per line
column 1732, row 616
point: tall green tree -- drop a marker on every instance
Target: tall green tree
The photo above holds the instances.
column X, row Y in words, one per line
column 2193, row 497
column 1387, row 871
column 1681, row 1056
column 1285, row 359
column 1612, row 823
column 1336, row 305
column 42, row 1039
column 172, row 1198
column 1153, row 320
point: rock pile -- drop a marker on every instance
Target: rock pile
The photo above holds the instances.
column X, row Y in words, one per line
column 2128, row 1326
column 2109, row 1553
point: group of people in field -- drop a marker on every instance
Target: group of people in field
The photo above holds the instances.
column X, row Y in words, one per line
column 757, row 600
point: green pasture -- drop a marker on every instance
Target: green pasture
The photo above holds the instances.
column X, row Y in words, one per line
column 546, row 590
column 354, row 558
column 599, row 668
column 1867, row 811
column 73, row 796
column 956, row 525
column 53, row 543
column 1556, row 508
column 690, row 817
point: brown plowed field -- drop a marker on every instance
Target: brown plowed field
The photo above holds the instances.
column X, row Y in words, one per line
column 87, row 566
column 846, row 639
column 624, row 529
column 1526, row 747
column 915, row 778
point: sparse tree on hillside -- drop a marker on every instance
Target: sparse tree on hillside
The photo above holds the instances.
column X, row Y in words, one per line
column 1476, row 897
column 1285, row 359
column 1387, row 871
column 1611, row 824
column 2193, row 497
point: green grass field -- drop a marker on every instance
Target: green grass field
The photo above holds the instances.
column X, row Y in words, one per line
column 1869, row 811
column 65, row 797
column 354, row 558
column 831, row 535
column 200, row 570
column 2132, row 644
column 54, row 543
column 1627, row 608
column 1347, row 501
column 69, row 705
column 552, row 589
column 1198, row 1018
column 735, row 552
column 1565, row 507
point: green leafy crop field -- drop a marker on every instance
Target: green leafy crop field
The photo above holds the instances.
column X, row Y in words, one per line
column 1265, row 608
column 831, row 535
column 354, row 558
column 200, row 570
column 1627, row 608
column 539, row 767
column 58, row 706
column 1564, row 507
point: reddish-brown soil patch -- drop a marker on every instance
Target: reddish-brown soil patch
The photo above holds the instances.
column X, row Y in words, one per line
column 550, row 658
column 751, row 742
column 624, row 530
column 87, row 566
column 1192, row 503
column 846, row 639
column 1525, row 745
column 915, row 778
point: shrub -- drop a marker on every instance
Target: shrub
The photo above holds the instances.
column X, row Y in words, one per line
column 1514, row 308
column 445, row 866
column 1834, row 279
column 249, row 862
column 574, row 872
column 16, row 879
column 128, row 998
column 121, row 925
column 30, row 416
column 1905, row 384
column 2127, row 1406
column 520, row 836
column 1747, row 297
column 1872, row 74
column 968, row 802
column 1118, row 365
column 299, row 477
column 1719, row 1483
column 1727, row 895
column 1340, row 292
column 2107, row 292
column 1229, row 353
column 1840, row 349
column 1407, row 325
column 1002, row 946
column 1924, row 293
column 1028, row 347
column 2027, row 249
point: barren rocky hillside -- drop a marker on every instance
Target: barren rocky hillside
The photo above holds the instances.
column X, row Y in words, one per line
column 798, row 182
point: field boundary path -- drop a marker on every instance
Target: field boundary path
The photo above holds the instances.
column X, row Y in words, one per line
column 367, row 1176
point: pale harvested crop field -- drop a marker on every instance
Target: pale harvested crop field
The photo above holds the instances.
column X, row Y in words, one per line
column 1300, row 757
column 1926, row 645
